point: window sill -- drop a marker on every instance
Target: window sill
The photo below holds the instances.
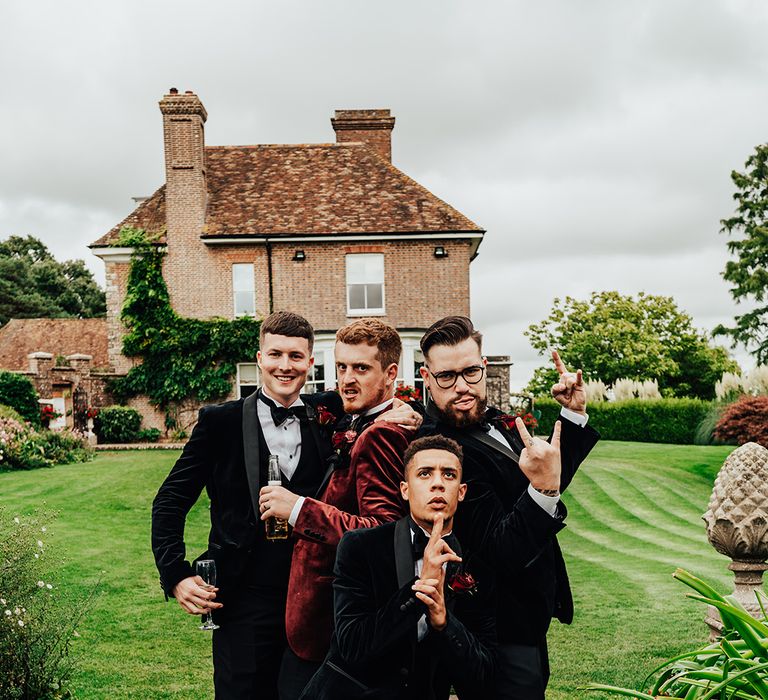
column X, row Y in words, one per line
column 365, row 312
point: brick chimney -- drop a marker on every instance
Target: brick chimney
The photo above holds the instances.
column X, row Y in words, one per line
column 370, row 126
column 185, row 188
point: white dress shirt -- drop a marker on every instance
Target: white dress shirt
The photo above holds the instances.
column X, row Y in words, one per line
column 283, row 440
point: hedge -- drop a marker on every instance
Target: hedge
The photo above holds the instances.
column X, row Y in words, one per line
column 117, row 424
column 635, row 420
column 18, row 392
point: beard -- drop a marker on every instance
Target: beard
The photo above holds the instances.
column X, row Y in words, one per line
column 463, row 419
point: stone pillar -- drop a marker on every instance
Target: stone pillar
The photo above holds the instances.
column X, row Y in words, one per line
column 81, row 363
column 40, row 365
column 497, row 381
column 737, row 524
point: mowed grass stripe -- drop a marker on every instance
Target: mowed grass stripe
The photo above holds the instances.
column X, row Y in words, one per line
column 617, row 510
column 649, row 494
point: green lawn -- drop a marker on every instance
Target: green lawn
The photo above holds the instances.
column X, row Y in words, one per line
column 634, row 515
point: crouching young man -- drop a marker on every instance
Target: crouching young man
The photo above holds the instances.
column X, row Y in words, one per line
column 394, row 595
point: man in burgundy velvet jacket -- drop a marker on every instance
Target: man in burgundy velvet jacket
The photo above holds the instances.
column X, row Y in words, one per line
column 362, row 489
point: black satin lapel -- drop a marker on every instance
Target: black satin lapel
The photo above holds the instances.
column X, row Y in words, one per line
column 486, row 439
column 251, row 448
column 403, row 552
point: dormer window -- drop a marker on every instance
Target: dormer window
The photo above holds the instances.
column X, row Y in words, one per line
column 365, row 284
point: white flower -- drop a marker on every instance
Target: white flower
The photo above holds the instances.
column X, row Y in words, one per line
column 17, row 611
column 40, row 584
column 43, row 529
column 21, row 623
column 2, row 601
column 8, row 613
column 16, row 520
column 37, row 556
column 40, row 544
column 49, row 586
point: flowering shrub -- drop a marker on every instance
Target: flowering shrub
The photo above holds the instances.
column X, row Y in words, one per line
column 22, row 447
column 48, row 413
column 744, row 421
column 407, row 393
column 37, row 619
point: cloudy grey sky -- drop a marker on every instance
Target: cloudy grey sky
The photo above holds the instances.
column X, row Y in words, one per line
column 593, row 140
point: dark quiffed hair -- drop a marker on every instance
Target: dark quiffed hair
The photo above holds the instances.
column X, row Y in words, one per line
column 432, row 442
column 287, row 323
column 450, row 330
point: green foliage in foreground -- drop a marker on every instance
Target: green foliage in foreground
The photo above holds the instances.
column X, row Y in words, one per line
column 736, row 665
column 634, row 515
column 673, row 421
column 38, row 618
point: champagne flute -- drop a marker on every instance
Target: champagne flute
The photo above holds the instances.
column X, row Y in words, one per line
column 206, row 570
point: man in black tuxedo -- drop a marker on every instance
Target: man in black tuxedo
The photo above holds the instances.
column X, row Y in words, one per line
column 494, row 454
column 393, row 613
column 227, row 455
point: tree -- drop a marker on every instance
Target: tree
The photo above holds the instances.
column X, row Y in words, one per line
column 749, row 272
column 611, row 336
column 33, row 284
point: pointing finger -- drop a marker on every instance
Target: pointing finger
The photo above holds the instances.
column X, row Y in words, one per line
column 437, row 531
column 579, row 378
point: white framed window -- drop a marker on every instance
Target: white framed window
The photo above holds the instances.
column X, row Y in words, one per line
column 365, row 284
column 243, row 290
column 248, row 379
column 316, row 376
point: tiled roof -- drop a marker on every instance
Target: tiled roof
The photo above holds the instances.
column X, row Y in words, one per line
column 149, row 215
column 59, row 336
column 306, row 189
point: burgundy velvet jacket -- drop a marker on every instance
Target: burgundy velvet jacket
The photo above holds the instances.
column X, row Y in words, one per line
column 364, row 491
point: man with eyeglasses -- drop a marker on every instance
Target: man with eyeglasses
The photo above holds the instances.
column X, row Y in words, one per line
column 511, row 485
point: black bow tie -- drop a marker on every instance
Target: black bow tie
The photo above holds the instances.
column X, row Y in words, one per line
column 420, row 541
column 280, row 414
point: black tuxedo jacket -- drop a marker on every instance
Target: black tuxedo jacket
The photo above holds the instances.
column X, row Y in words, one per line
column 531, row 590
column 374, row 652
column 222, row 457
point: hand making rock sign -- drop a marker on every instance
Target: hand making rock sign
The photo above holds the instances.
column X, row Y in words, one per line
column 540, row 460
column 569, row 390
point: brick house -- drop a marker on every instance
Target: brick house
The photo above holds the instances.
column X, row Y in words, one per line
column 332, row 231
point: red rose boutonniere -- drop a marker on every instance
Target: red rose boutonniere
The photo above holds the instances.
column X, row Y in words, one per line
column 508, row 421
column 463, row 583
column 325, row 417
column 343, row 440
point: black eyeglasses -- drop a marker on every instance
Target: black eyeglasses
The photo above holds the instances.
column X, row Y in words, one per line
column 471, row 375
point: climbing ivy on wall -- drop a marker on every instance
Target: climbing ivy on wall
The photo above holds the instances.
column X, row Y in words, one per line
column 183, row 359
